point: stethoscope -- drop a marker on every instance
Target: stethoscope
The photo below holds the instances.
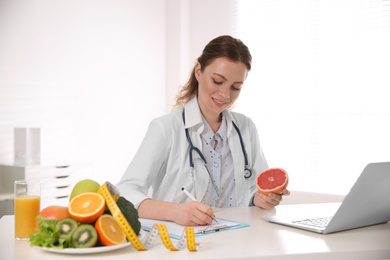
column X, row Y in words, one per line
column 247, row 170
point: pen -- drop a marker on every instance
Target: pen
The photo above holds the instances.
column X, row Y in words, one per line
column 206, row 231
column 189, row 195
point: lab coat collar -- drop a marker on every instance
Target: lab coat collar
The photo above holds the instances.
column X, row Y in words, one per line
column 192, row 113
column 229, row 120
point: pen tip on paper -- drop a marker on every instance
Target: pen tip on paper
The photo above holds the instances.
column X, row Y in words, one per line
column 182, row 188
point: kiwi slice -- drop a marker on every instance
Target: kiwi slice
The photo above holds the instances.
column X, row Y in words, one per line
column 84, row 236
column 66, row 227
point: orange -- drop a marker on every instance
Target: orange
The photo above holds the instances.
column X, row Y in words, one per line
column 87, row 207
column 109, row 231
column 273, row 180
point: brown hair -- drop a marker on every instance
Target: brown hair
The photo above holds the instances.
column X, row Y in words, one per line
column 221, row 47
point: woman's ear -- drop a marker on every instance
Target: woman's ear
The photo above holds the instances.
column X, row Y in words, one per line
column 198, row 70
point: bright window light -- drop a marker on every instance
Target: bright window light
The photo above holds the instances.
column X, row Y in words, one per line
column 319, row 90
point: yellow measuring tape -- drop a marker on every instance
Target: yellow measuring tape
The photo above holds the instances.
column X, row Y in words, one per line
column 111, row 195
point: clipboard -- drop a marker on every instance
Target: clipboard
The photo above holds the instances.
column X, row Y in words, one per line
column 175, row 230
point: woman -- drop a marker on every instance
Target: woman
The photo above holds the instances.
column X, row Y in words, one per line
column 201, row 117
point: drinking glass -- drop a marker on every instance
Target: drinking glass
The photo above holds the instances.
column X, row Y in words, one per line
column 27, row 207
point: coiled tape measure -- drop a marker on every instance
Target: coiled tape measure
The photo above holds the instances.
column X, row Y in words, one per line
column 111, row 195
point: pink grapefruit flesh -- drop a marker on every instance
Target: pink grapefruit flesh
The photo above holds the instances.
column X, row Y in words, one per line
column 273, row 180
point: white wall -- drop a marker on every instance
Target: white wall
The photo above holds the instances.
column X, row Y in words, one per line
column 209, row 19
column 92, row 74
column 191, row 24
column 89, row 73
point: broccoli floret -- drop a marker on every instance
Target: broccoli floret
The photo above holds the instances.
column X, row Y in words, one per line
column 130, row 212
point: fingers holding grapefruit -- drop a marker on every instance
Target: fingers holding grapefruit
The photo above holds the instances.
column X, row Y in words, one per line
column 273, row 180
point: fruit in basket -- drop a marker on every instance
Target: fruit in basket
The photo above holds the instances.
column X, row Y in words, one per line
column 66, row 227
column 130, row 212
column 273, row 180
column 83, row 186
column 84, row 236
column 109, row 231
column 87, row 207
column 54, row 212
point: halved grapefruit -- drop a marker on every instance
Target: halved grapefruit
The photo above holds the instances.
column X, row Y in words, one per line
column 273, row 180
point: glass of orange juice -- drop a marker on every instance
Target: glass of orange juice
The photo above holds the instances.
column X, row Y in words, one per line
column 27, row 207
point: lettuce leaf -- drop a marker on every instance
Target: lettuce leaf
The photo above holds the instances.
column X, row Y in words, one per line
column 48, row 235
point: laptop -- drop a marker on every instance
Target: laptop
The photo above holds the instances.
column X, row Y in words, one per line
column 367, row 203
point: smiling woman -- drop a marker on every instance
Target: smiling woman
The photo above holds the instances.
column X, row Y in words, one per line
column 222, row 81
column 226, row 144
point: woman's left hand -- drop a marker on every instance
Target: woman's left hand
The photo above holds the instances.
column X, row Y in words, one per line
column 270, row 201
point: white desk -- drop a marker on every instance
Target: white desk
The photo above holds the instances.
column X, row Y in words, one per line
column 261, row 240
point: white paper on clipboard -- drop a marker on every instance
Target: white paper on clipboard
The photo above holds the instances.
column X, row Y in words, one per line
column 175, row 230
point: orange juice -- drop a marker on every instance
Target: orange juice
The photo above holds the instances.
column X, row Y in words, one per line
column 26, row 209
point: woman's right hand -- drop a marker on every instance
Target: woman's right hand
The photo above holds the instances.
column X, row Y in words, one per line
column 186, row 214
column 193, row 214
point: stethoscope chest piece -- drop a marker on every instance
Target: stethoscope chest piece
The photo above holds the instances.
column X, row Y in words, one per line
column 247, row 173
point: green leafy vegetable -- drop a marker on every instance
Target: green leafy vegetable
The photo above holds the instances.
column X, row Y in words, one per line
column 48, row 235
column 130, row 212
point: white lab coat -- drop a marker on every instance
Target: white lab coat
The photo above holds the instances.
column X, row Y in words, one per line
column 162, row 161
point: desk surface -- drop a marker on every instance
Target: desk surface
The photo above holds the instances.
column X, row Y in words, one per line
column 261, row 240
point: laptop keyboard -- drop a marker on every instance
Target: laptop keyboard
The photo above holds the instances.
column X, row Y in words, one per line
column 314, row 222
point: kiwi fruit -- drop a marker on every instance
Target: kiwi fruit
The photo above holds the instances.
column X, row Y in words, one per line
column 66, row 227
column 84, row 236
